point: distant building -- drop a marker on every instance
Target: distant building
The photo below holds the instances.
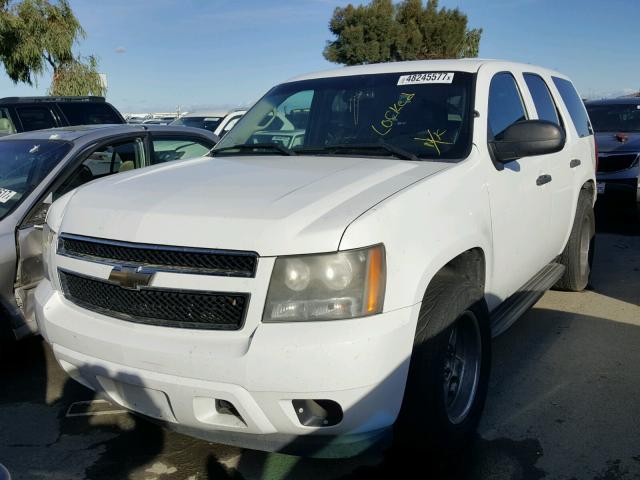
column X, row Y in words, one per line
column 635, row 94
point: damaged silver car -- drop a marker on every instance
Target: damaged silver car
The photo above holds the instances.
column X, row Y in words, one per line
column 38, row 167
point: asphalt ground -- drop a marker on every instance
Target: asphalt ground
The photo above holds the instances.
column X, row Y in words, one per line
column 564, row 403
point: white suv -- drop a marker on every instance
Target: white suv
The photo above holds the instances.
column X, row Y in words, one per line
column 314, row 299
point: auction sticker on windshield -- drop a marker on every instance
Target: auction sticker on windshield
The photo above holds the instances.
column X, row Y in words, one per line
column 430, row 77
column 6, row 195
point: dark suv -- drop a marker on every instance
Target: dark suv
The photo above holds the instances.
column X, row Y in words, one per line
column 22, row 114
column 617, row 125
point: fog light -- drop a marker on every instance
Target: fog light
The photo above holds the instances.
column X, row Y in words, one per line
column 317, row 413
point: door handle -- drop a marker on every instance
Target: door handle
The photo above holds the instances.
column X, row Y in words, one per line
column 574, row 163
column 542, row 179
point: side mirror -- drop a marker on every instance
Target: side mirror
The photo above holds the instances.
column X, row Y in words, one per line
column 527, row 138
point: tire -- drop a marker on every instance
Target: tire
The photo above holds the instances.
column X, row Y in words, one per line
column 434, row 417
column 577, row 256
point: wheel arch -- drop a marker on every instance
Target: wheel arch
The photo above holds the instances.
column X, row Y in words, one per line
column 470, row 264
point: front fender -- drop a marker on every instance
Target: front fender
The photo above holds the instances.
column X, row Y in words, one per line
column 425, row 226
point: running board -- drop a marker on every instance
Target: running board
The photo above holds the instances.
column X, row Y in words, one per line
column 517, row 304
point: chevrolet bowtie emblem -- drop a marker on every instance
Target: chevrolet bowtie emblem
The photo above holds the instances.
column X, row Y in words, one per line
column 131, row 278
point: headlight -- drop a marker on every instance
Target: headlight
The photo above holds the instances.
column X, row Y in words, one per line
column 48, row 237
column 330, row 286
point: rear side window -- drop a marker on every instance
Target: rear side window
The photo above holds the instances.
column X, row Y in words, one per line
column 542, row 98
column 505, row 104
column 574, row 104
column 85, row 113
column 36, row 118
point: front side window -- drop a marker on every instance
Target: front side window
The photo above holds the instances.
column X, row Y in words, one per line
column 6, row 125
column 505, row 104
column 35, row 118
column 615, row 117
column 104, row 161
column 207, row 123
column 404, row 115
column 23, row 165
column 542, row 99
column 168, row 149
column 574, row 105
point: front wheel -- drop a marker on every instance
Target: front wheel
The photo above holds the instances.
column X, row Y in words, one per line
column 449, row 370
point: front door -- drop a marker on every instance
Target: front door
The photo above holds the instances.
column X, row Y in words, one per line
column 519, row 196
column 119, row 156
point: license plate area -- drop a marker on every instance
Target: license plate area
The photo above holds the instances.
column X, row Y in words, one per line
column 600, row 186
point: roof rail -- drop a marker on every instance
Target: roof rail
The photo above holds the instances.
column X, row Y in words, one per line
column 50, row 99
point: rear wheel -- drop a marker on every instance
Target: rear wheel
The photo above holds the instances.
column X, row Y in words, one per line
column 449, row 369
column 577, row 256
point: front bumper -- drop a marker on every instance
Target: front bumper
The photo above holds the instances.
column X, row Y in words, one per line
column 176, row 375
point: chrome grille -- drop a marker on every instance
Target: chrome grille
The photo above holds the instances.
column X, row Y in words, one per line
column 160, row 257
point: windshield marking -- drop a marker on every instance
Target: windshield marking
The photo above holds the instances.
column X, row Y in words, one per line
column 423, row 78
column 392, row 113
column 434, row 140
column 6, row 195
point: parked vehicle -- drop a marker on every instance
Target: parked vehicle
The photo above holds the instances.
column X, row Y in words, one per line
column 617, row 125
column 38, row 167
column 23, row 114
column 216, row 121
column 314, row 299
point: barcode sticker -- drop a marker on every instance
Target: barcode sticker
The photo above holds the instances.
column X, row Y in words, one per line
column 6, row 195
column 430, row 77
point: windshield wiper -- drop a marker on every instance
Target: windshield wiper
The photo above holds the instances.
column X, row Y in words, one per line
column 253, row 146
column 359, row 147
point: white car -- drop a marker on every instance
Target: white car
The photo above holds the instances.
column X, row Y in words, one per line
column 217, row 121
column 315, row 299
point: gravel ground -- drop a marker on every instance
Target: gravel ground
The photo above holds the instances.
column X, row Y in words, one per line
column 563, row 403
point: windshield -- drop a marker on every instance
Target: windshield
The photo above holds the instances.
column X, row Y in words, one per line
column 615, row 118
column 23, row 165
column 208, row 123
column 425, row 115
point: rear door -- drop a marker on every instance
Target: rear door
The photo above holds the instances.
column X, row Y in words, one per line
column 560, row 166
column 577, row 163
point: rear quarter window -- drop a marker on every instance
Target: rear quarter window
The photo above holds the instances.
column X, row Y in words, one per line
column 85, row 113
column 574, row 105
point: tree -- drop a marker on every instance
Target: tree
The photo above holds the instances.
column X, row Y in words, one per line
column 36, row 35
column 383, row 32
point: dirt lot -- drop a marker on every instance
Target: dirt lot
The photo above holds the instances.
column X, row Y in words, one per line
column 563, row 403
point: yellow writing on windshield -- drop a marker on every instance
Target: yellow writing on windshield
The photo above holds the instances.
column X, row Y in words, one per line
column 434, row 140
column 385, row 125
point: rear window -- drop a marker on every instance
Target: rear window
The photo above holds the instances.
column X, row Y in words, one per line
column 575, row 106
column 85, row 113
column 35, row 118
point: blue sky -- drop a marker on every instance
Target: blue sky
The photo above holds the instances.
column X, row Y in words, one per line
column 163, row 53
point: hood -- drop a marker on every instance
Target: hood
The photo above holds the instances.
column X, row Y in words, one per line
column 609, row 143
column 272, row 205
